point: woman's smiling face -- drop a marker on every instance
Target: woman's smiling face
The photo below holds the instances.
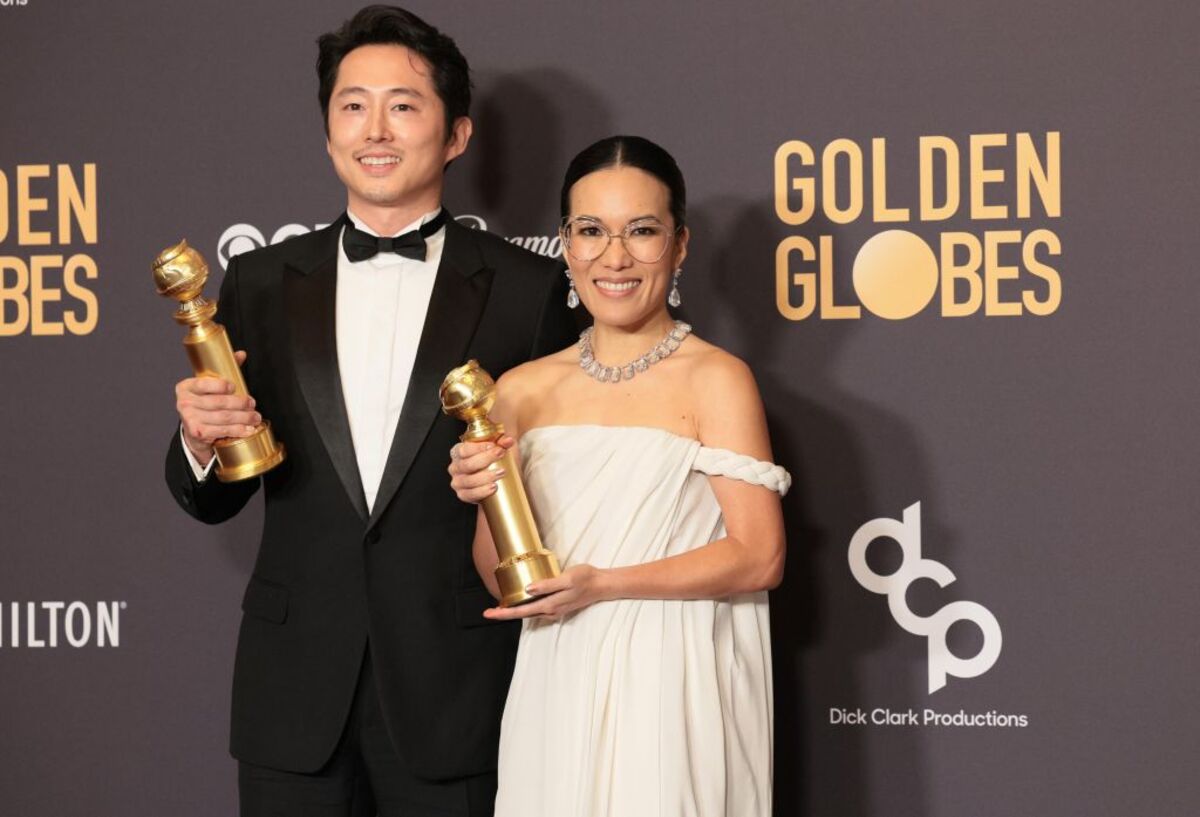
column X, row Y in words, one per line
column 619, row 287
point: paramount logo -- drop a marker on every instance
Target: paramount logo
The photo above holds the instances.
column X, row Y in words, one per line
column 35, row 624
column 550, row 245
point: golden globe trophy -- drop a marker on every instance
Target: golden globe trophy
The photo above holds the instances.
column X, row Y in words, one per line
column 468, row 393
column 180, row 273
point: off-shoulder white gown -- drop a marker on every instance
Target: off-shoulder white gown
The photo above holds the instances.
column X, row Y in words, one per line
column 637, row 708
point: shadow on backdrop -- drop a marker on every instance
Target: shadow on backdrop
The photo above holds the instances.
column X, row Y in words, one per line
column 824, row 626
column 528, row 126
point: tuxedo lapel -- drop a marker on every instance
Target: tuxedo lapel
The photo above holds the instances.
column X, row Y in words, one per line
column 460, row 292
column 311, row 299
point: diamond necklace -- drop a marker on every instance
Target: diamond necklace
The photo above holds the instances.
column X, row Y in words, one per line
column 615, row 374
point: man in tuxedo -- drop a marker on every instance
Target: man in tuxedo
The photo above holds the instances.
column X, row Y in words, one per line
column 366, row 678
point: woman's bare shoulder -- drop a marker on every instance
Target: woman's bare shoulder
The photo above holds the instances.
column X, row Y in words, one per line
column 714, row 368
column 729, row 410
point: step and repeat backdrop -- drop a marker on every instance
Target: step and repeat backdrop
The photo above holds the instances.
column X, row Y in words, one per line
column 955, row 241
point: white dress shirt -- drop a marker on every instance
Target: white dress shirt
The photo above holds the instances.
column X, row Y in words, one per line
column 380, row 312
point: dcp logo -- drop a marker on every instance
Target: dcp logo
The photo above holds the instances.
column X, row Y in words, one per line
column 907, row 534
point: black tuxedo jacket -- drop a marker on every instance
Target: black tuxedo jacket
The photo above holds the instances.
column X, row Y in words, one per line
column 329, row 576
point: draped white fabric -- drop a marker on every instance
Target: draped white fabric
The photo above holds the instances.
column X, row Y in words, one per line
column 636, row 707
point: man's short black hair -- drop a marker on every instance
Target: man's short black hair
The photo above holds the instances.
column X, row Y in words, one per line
column 391, row 25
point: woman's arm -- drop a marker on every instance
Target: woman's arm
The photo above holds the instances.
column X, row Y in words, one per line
column 729, row 415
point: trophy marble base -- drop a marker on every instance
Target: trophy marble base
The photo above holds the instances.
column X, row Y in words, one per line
column 518, row 572
column 241, row 458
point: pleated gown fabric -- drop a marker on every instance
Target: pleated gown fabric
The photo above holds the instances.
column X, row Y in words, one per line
column 644, row 707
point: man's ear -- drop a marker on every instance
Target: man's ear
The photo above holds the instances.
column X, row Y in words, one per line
column 460, row 135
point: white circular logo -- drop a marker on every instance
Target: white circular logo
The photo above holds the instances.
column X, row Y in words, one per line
column 237, row 239
column 473, row 222
column 241, row 238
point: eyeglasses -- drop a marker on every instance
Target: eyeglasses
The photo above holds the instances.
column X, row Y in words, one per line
column 646, row 239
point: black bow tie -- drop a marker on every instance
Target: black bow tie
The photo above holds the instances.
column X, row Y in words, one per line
column 361, row 245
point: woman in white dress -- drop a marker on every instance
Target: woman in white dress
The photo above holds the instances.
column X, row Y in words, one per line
column 642, row 685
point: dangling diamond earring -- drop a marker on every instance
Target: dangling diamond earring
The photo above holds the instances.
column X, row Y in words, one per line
column 572, row 295
column 673, row 299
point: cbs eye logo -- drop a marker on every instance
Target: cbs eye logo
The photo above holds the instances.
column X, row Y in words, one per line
column 240, row 238
column 907, row 534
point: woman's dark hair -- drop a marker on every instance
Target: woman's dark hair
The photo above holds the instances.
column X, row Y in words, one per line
column 390, row 25
column 628, row 151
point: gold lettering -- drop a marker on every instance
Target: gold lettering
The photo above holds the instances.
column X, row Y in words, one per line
column 1047, row 178
column 882, row 212
column 830, row 310
column 785, row 183
column 27, row 205
column 1041, row 270
column 3, row 207
column 72, row 202
column 91, row 315
column 953, row 272
column 785, row 279
column 15, row 294
column 949, row 151
column 40, row 295
column 829, row 203
column 994, row 272
column 981, row 176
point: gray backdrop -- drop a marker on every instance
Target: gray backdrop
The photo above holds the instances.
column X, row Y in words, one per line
column 1054, row 456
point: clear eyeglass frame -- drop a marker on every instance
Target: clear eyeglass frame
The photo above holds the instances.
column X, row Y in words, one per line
column 624, row 236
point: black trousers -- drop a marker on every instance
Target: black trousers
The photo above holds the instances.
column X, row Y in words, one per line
column 363, row 778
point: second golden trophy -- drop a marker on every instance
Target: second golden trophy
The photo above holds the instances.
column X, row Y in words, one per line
column 468, row 393
column 179, row 273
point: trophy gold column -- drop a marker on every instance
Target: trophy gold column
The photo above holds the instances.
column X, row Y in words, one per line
column 179, row 273
column 468, row 393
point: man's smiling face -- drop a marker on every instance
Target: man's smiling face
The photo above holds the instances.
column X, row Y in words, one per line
column 387, row 131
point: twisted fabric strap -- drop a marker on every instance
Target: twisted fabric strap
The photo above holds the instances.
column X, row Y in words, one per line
column 720, row 462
